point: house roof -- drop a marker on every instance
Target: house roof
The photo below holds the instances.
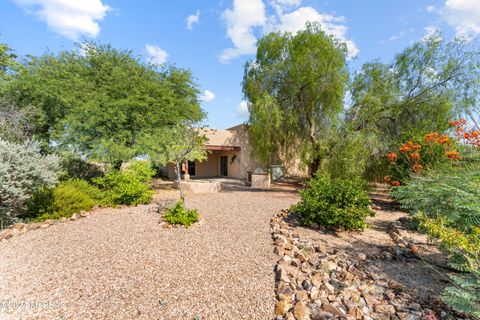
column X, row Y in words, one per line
column 221, row 139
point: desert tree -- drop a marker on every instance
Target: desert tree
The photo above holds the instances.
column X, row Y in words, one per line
column 295, row 88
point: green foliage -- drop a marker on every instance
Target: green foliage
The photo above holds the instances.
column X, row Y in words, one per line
column 295, row 88
column 100, row 102
column 334, row 203
column 129, row 186
column 464, row 295
column 464, row 249
column 178, row 214
column 175, row 145
column 7, row 59
column 77, row 168
column 15, row 123
column 425, row 86
column 67, row 198
column 23, row 171
column 344, row 156
column 452, row 194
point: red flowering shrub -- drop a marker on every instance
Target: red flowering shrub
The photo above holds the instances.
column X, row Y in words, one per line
column 432, row 151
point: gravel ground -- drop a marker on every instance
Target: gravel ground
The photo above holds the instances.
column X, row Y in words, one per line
column 120, row 264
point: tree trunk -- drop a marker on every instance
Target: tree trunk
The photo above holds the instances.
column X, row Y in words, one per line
column 117, row 164
column 314, row 165
column 179, row 180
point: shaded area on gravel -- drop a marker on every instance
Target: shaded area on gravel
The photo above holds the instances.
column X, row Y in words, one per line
column 120, row 264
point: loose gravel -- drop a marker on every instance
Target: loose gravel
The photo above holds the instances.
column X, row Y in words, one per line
column 120, row 264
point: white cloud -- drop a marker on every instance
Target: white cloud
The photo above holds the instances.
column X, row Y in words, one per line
column 288, row 3
column 242, row 110
column 282, row 5
column 156, row 54
column 71, row 19
column 192, row 20
column 245, row 15
column 463, row 16
column 333, row 25
column 430, row 9
column 248, row 16
column 207, row 96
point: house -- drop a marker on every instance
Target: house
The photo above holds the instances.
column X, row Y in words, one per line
column 230, row 154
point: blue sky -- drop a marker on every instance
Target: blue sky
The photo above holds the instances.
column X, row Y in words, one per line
column 214, row 38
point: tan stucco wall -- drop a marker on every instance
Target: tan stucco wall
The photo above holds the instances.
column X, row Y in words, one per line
column 208, row 167
column 244, row 162
column 247, row 160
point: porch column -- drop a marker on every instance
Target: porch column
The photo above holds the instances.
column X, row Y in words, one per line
column 186, row 176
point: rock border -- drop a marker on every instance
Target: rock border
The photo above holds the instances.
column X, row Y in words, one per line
column 20, row 228
column 313, row 283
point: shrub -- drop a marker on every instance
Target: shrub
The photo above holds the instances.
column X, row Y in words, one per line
column 334, row 203
column 67, row 198
column 464, row 249
column 78, row 168
column 23, row 171
column 452, row 194
column 129, row 186
column 178, row 214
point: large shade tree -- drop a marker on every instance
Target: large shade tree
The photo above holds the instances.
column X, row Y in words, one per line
column 295, row 88
column 425, row 86
column 98, row 100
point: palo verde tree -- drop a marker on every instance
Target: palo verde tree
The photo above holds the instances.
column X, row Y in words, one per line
column 295, row 88
column 98, row 101
column 425, row 86
column 175, row 145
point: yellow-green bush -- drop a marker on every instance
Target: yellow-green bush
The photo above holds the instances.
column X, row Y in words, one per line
column 178, row 214
column 129, row 186
column 67, row 198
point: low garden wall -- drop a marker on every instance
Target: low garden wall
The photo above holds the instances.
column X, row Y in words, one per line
column 200, row 186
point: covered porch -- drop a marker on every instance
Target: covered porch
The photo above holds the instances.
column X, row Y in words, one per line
column 222, row 161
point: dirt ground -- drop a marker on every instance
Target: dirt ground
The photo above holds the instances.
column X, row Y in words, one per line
column 425, row 272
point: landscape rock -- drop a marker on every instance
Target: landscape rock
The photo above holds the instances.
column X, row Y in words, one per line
column 300, row 311
column 282, row 307
column 315, row 283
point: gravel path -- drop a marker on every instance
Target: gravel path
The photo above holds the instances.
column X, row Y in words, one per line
column 120, row 264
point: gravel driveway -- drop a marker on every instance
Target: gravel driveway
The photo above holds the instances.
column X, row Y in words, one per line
column 120, row 264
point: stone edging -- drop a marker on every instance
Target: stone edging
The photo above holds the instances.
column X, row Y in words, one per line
column 313, row 283
column 21, row 228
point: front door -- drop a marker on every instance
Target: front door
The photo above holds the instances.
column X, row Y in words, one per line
column 224, row 166
column 191, row 168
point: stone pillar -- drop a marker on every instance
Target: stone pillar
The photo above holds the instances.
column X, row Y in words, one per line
column 186, row 176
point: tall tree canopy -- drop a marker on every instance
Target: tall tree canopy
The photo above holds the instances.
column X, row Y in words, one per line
column 295, row 88
column 7, row 58
column 99, row 100
column 420, row 91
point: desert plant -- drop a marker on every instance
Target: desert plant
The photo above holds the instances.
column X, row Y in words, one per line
column 23, row 171
column 129, row 186
column 67, row 198
column 444, row 193
column 464, row 249
column 334, row 203
column 179, row 214
column 76, row 167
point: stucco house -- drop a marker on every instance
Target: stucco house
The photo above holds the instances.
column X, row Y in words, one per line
column 230, row 155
